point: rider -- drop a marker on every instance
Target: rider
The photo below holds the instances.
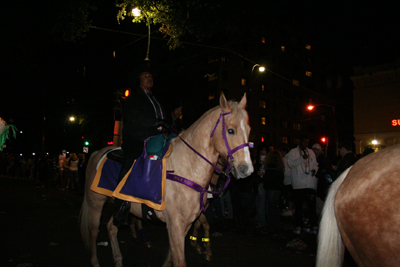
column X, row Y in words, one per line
column 142, row 116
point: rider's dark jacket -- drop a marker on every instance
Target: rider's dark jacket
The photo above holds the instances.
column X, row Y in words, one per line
column 139, row 116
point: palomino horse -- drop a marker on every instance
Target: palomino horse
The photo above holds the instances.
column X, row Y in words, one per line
column 361, row 212
column 194, row 155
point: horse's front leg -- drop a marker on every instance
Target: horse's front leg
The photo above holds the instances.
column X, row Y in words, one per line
column 112, row 234
column 177, row 231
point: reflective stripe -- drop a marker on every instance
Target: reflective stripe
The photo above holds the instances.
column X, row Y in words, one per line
column 205, row 239
column 193, row 238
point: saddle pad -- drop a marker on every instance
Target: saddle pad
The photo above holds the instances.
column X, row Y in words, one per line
column 144, row 182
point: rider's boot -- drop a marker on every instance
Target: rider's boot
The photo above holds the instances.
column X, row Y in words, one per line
column 121, row 212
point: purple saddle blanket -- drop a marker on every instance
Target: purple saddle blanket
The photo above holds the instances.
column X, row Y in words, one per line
column 144, row 182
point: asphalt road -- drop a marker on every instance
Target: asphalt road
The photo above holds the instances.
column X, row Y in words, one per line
column 39, row 227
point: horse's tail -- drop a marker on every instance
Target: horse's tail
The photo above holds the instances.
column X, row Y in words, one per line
column 330, row 245
column 84, row 223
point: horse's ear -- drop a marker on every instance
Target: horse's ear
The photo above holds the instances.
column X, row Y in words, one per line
column 224, row 104
column 243, row 102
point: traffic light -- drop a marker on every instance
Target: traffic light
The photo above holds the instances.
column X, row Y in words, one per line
column 324, row 140
column 86, row 143
column 126, row 93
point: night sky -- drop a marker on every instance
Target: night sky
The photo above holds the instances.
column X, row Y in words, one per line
column 45, row 77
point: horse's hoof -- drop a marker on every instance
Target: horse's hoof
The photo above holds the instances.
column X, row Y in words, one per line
column 147, row 244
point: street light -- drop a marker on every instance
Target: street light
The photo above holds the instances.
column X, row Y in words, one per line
column 260, row 69
column 311, row 107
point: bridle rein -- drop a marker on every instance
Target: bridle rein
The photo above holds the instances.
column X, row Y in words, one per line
column 227, row 171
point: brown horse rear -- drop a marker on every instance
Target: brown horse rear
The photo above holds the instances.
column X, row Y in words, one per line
column 367, row 211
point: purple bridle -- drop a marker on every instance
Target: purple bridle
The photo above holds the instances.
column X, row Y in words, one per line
column 229, row 161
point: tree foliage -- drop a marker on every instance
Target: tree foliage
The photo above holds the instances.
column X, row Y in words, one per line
column 179, row 18
column 72, row 19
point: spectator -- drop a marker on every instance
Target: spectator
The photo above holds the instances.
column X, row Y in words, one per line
column 367, row 151
column 73, row 171
column 287, row 185
column 325, row 173
column 273, row 183
column 259, row 170
column 304, row 167
column 65, row 166
column 348, row 157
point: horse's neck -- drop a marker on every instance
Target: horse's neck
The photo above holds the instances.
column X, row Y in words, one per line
column 186, row 162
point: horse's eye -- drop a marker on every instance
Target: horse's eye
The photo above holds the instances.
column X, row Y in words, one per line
column 231, row 131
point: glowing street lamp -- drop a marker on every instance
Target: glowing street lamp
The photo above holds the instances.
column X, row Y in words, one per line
column 374, row 142
column 136, row 12
column 260, row 69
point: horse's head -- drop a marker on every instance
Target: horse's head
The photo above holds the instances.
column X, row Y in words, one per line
column 233, row 143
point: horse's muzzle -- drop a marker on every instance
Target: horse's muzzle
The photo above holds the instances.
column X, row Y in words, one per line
column 243, row 171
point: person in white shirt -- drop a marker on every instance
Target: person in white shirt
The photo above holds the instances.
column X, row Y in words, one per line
column 304, row 166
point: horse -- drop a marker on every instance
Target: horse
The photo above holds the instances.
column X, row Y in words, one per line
column 361, row 213
column 194, row 155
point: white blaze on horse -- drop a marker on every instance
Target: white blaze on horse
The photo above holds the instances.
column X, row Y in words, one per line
column 194, row 155
column 362, row 213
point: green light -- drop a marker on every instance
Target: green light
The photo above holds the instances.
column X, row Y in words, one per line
column 86, row 143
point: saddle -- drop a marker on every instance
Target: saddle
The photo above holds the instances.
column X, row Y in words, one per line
column 144, row 182
column 116, row 155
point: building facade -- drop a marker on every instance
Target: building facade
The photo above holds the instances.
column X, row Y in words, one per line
column 376, row 106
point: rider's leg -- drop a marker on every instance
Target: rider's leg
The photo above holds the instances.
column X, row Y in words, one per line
column 132, row 150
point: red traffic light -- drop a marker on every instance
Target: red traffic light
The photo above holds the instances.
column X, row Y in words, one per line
column 324, row 139
column 126, row 93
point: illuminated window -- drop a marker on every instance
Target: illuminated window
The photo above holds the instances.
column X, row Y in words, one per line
column 282, row 48
column 284, row 139
column 264, row 120
column 296, row 82
column 263, row 40
column 263, row 104
column 296, row 126
column 211, row 97
column 262, row 87
column 243, row 82
column 308, row 47
column 309, row 73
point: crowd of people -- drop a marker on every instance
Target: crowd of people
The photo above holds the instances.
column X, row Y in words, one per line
column 285, row 182
column 63, row 171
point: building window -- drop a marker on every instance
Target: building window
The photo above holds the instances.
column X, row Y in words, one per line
column 284, row 139
column 243, row 81
column 296, row 126
column 284, row 124
column 308, row 47
column 262, row 87
column 264, row 120
column 263, row 103
column 309, row 73
column 263, row 40
column 211, row 97
column 296, row 82
column 282, row 48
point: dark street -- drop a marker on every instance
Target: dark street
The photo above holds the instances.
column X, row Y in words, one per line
column 39, row 227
